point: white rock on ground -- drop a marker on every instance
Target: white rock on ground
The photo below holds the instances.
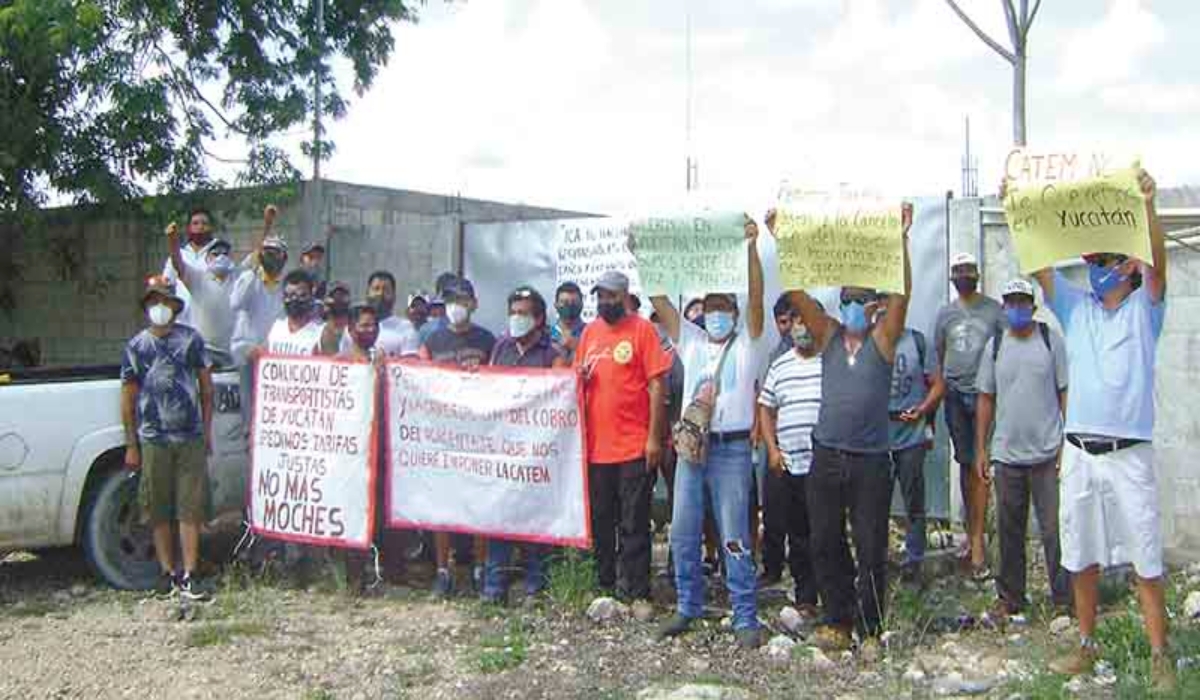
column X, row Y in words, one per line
column 643, row 611
column 605, row 609
column 694, row 691
column 779, row 648
column 1191, row 605
column 791, row 619
column 913, row 674
column 1060, row 624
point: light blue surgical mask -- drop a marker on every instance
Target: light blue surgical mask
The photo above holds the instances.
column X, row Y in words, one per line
column 519, row 326
column 220, row 265
column 854, row 316
column 1019, row 317
column 719, row 324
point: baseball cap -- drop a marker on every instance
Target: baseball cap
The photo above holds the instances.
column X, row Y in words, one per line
column 274, row 243
column 436, row 300
column 461, row 287
column 612, row 281
column 963, row 259
column 219, row 244
column 310, row 247
column 1018, row 286
column 160, row 284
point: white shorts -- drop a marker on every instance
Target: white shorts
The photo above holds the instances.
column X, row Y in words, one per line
column 1108, row 511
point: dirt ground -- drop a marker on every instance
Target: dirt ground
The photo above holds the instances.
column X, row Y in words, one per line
column 63, row 635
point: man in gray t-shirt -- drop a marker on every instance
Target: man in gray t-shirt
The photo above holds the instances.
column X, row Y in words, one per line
column 963, row 328
column 1022, row 385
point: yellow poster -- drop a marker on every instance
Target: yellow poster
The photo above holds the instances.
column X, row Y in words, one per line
column 1057, row 220
column 839, row 241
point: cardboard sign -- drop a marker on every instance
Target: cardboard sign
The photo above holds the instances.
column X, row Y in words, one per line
column 312, row 466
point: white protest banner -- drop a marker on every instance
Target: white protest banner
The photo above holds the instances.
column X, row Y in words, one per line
column 312, row 453
column 496, row 452
column 586, row 249
column 691, row 254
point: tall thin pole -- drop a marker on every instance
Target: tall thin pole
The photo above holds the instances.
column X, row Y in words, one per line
column 692, row 165
column 318, row 131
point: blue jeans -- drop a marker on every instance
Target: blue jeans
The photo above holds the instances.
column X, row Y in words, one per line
column 727, row 477
column 495, row 571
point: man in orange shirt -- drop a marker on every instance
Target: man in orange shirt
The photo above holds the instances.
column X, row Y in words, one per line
column 624, row 368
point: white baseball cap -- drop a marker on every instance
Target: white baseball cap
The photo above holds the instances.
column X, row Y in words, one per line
column 1018, row 286
column 963, row 259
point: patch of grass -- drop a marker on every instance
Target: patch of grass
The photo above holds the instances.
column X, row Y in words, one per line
column 503, row 650
column 215, row 634
column 318, row 694
column 37, row 607
column 241, row 592
column 571, row 579
column 419, row 673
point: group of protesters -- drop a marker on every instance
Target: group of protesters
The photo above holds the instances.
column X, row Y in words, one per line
column 838, row 406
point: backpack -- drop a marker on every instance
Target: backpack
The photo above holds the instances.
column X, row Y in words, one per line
column 1045, row 330
column 919, row 339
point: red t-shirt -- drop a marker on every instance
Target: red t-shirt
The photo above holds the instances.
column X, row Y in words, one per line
column 623, row 359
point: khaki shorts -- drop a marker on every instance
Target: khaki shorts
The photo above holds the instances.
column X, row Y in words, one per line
column 174, row 483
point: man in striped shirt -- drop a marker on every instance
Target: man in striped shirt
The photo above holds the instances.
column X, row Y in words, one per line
column 789, row 404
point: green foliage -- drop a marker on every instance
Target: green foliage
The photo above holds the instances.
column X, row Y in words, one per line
column 219, row 633
column 113, row 99
column 572, row 579
column 503, row 650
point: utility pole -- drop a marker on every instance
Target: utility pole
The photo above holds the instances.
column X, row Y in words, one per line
column 318, row 130
column 693, row 165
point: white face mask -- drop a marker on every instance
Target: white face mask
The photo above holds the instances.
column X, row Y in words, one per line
column 519, row 326
column 159, row 314
column 457, row 314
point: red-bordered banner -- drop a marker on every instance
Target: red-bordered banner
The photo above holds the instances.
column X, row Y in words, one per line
column 496, row 452
column 313, row 451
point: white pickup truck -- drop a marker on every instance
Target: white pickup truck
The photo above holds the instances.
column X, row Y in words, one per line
column 62, row 475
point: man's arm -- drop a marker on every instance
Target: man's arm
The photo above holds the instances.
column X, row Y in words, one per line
column 331, row 338
column 175, row 254
column 206, row 406
column 897, row 312
column 668, row 316
column 985, row 409
column 767, row 417
column 658, row 415
column 754, row 315
column 269, row 214
column 1155, row 276
column 129, row 394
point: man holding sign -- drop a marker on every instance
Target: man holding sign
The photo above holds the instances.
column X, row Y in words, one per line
column 722, row 368
column 851, row 472
column 1109, row 513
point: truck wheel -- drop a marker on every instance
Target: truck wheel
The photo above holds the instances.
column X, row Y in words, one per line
column 119, row 547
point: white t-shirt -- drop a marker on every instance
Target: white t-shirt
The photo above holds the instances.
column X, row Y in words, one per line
column 256, row 308
column 398, row 337
column 191, row 258
column 743, row 370
column 211, row 312
column 301, row 343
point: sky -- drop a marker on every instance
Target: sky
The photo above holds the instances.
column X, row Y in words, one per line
column 581, row 104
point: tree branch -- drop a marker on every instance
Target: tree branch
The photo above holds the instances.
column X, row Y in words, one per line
column 1013, row 24
column 1029, row 20
column 188, row 85
column 1005, row 53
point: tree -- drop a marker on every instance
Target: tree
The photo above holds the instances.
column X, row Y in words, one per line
column 105, row 100
column 1019, row 20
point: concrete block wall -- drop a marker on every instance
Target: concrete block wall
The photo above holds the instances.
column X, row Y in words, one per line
column 86, row 317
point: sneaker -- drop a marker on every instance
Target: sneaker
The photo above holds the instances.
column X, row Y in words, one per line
column 1163, row 680
column 1081, row 660
column 677, row 625
column 808, row 612
column 165, row 586
column 832, row 638
column 443, row 583
column 190, row 589
column 749, row 638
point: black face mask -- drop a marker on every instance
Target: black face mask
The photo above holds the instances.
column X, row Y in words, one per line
column 383, row 309
column 966, row 285
column 273, row 263
column 611, row 312
column 569, row 312
column 297, row 307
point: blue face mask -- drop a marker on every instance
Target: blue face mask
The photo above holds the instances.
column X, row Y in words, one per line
column 1104, row 279
column 1019, row 317
column 719, row 324
column 854, row 317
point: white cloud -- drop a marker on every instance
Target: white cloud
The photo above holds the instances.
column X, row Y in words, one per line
column 1110, row 50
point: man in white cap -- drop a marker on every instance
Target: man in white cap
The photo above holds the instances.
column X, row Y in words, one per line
column 1022, row 398
column 963, row 328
